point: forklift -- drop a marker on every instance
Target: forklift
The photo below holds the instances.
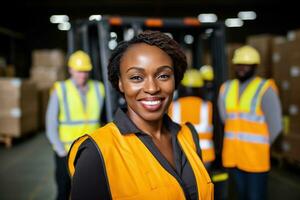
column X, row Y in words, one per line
column 203, row 43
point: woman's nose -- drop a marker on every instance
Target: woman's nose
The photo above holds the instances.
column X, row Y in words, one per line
column 151, row 86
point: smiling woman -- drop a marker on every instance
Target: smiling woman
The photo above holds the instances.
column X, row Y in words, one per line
column 142, row 154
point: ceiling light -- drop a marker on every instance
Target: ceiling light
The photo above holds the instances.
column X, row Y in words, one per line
column 208, row 17
column 234, row 22
column 112, row 44
column 128, row 34
column 57, row 19
column 113, row 35
column 247, row 15
column 64, row 26
column 95, row 17
column 188, row 39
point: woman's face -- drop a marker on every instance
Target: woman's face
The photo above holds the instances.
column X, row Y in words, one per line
column 147, row 81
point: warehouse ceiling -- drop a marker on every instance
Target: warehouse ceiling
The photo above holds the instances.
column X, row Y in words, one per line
column 30, row 18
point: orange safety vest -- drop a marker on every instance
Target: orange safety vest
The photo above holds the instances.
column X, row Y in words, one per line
column 134, row 173
column 246, row 139
column 199, row 113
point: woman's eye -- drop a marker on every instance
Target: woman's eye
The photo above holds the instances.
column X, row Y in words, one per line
column 136, row 78
column 164, row 76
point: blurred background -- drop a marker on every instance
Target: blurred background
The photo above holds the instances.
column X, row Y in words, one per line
column 37, row 37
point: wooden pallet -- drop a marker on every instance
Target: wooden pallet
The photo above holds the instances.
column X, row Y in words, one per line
column 7, row 140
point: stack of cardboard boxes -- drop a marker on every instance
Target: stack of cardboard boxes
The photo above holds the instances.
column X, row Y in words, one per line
column 48, row 66
column 264, row 44
column 286, row 66
column 18, row 108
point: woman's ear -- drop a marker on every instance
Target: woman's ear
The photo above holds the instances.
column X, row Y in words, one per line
column 121, row 85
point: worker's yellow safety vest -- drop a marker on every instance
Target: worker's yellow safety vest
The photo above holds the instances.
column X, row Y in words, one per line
column 134, row 173
column 74, row 119
column 246, row 139
column 199, row 113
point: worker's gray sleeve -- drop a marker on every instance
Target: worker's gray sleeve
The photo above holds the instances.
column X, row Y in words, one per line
column 271, row 107
column 221, row 107
column 52, row 125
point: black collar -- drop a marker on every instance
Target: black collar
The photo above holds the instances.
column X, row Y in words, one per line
column 126, row 126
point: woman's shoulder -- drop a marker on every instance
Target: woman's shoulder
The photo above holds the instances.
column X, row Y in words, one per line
column 105, row 131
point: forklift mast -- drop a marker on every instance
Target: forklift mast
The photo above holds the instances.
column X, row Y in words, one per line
column 203, row 43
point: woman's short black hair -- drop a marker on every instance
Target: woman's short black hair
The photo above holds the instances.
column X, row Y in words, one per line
column 154, row 38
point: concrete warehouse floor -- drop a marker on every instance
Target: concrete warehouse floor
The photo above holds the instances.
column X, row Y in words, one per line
column 27, row 173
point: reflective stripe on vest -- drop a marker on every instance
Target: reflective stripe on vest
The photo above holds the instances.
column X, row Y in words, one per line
column 75, row 118
column 204, row 127
column 246, row 116
column 143, row 176
column 206, row 144
column 246, row 139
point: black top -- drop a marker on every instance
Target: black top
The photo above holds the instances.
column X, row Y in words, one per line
column 90, row 181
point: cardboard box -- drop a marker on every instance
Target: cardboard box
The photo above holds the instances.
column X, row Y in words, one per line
column 264, row 44
column 45, row 77
column 293, row 35
column 294, row 118
column 280, row 61
column 52, row 58
column 286, row 71
column 291, row 147
column 18, row 107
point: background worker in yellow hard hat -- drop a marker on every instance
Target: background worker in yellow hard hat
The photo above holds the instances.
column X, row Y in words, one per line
column 207, row 74
column 74, row 109
column 190, row 107
column 251, row 111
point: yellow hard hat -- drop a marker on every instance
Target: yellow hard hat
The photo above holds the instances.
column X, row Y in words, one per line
column 207, row 72
column 192, row 78
column 246, row 55
column 80, row 61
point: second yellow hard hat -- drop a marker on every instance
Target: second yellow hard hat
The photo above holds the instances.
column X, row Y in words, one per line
column 207, row 72
column 80, row 61
column 246, row 55
column 192, row 78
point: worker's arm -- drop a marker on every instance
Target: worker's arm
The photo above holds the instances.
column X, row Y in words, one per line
column 52, row 125
column 271, row 107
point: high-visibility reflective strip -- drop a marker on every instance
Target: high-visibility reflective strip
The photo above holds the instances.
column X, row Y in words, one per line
column 253, row 138
column 255, row 98
column 246, row 116
column 66, row 105
column 79, row 122
column 176, row 112
column 206, row 144
column 220, row 177
column 204, row 126
column 248, row 137
column 229, row 135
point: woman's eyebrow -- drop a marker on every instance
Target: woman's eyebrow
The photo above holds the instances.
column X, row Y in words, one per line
column 165, row 67
column 135, row 68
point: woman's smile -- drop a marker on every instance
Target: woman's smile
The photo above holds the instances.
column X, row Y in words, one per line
column 152, row 104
